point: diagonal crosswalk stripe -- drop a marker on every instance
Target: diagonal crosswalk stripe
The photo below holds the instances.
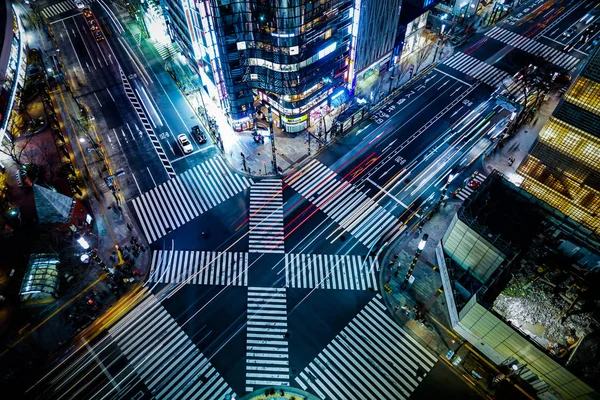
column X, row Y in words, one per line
column 267, row 358
column 266, row 217
column 163, row 356
column 477, row 69
column 186, row 196
column 531, row 46
column 371, row 355
column 199, row 267
column 338, row 272
column 341, row 201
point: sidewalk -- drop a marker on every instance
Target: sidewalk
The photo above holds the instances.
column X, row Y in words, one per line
column 426, row 294
column 519, row 144
column 46, row 331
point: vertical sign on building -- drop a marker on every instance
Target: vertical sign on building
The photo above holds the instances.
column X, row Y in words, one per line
column 355, row 18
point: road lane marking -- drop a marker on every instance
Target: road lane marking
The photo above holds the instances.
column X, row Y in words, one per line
column 73, row 47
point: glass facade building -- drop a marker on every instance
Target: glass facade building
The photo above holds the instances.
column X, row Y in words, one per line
column 292, row 55
column 563, row 167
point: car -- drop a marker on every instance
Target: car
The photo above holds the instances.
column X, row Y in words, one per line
column 200, row 137
column 79, row 4
column 569, row 32
column 474, row 184
column 185, row 144
column 596, row 41
column 589, row 17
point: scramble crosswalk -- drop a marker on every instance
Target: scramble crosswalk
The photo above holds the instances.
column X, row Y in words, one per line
column 341, row 201
column 477, row 69
column 266, row 217
column 267, row 356
column 61, row 7
column 465, row 192
column 183, row 198
column 199, row 267
column 534, row 47
column 163, row 356
column 323, row 271
column 371, row 358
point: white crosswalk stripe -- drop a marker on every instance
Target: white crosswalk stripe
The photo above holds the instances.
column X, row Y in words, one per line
column 166, row 50
column 477, row 69
column 466, row 191
column 342, row 202
column 324, row 271
column 531, row 46
column 266, row 217
column 183, row 198
column 61, row 7
column 199, row 267
column 372, row 358
column 267, row 358
column 164, row 357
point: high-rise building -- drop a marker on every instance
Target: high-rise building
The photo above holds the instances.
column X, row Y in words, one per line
column 293, row 55
column 563, row 167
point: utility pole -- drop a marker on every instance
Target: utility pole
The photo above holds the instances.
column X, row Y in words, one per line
column 272, row 136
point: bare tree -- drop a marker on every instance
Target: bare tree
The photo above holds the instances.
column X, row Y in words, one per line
column 422, row 54
column 529, row 89
column 17, row 149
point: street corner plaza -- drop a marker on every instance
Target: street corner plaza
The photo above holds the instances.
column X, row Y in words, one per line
column 257, row 283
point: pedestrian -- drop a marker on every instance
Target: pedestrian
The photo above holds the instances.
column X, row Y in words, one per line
column 262, row 139
column 130, row 227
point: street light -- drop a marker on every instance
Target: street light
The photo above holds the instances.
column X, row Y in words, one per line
column 420, row 248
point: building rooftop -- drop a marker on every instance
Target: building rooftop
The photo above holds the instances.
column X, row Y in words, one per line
column 546, row 291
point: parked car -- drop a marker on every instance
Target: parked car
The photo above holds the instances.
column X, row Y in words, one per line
column 185, row 144
column 200, row 137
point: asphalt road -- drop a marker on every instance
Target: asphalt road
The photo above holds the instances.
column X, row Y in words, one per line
column 265, row 282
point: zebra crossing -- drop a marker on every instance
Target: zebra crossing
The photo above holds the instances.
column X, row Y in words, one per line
column 61, row 7
column 183, row 198
column 199, row 267
column 371, row 358
column 266, row 217
column 166, row 50
column 163, row 356
column 323, row 271
column 477, row 69
column 267, row 356
column 534, row 47
column 341, row 201
column 164, row 159
column 465, row 192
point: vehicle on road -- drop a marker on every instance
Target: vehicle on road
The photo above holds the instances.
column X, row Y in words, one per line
column 185, row 144
column 570, row 32
column 93, row 24
column 589, row 17
column 474, row 184
column 200, row 137
column 79, row 4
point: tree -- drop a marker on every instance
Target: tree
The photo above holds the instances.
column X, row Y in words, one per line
column 529, row 88
column 16, row 148
column 422, row 55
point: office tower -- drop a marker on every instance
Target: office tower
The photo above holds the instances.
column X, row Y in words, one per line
column 563, row 167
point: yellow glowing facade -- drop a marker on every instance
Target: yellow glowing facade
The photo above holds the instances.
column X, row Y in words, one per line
column 563, row 167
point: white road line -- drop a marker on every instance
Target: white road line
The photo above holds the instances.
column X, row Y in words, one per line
column 98, row 100
column 151, row 177
column 73, row 47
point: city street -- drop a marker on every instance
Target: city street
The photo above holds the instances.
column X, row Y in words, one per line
column 259, row 282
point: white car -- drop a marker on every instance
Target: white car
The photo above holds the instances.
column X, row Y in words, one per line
column 185, row 144
column 79, row 4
